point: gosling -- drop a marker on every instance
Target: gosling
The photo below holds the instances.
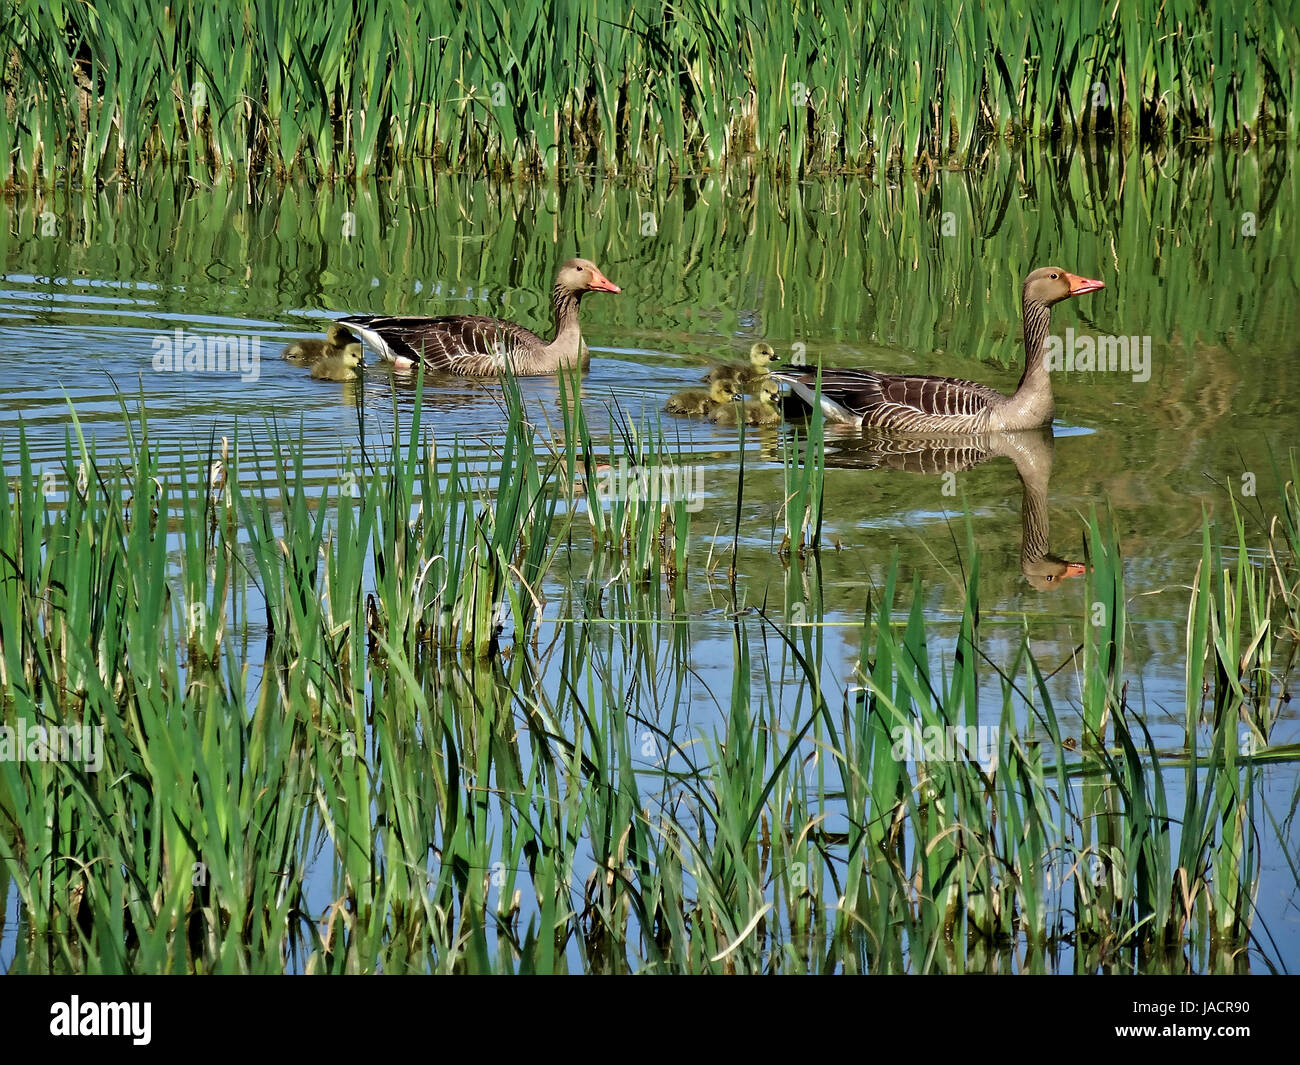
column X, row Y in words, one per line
column 746, row 378
column 761, row 411
column 697, row 402
column 340, row 365
column 309, row 352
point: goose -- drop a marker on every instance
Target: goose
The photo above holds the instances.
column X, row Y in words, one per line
column 306, row 352
column 697, row 401
column 339, row 366
column 915, row 404
column 472, row 345
column 761, row 411
column 746, row 377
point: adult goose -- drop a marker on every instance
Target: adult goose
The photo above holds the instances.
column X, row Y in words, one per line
column 472, row 345
column 915, row 404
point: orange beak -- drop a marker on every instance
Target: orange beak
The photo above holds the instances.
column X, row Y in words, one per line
column 1080, row 285
column 1076, row 569
column 600, row 283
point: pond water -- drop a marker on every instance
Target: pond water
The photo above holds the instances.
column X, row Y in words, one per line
column 1198, row 255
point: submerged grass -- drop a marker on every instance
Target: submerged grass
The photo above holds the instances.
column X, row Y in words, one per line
column 321, row 751
column 285, row 86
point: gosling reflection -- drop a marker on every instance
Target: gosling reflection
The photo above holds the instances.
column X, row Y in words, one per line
column 1030, row 450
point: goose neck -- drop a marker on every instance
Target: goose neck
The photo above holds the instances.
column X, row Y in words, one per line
column 564, row 308
column 1038, row 327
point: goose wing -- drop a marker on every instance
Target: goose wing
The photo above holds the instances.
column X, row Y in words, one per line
column 466, row 344
column 869, row 397
column 942, row 397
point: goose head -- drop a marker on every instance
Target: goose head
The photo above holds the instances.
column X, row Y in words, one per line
column 582, row 275
column 1050, row 284
column 760, row 355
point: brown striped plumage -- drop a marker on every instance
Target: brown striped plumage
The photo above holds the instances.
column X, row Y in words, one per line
column 473, row 345
column 916, row 404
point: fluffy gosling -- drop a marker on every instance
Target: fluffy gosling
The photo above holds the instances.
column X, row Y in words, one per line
column 308, row 352
column 340, row 365
column 697, row 402
column 761, row 411
column 746, row 378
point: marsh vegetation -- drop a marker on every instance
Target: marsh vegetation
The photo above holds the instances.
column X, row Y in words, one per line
column 419, row 674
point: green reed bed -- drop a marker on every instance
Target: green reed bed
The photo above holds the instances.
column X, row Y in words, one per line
column 1284, row 544
column 803, row 476
column 995, row 841
column 639, row 494
column 283, row 86
column 340, row 736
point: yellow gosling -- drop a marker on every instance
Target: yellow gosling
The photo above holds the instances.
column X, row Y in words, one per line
column 697, row 402
column 746, row 378
column 340, row 365
column 307, row 352
column 761, row 411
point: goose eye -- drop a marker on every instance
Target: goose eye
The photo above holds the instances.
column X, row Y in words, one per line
column 1055, row 276
column 1050, row 579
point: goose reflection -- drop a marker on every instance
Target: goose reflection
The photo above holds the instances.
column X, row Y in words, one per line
column 1031, row 452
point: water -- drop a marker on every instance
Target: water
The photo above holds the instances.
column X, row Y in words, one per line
column 912, row 278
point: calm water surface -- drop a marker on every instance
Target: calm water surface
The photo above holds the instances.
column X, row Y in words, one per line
column 1200, row 265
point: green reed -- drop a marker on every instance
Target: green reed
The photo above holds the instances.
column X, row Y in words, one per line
column 983, row 849
column 1284, row 546
column 302, row 767
column 639, row 490
column 284, row 87
column 804, row 484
